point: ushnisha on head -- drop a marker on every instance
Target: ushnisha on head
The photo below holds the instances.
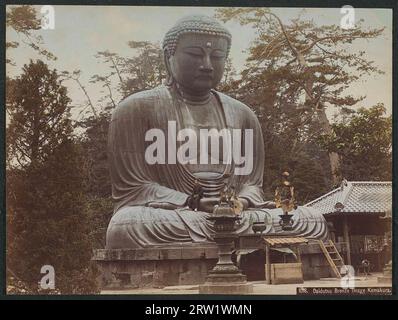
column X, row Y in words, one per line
column 195, row 50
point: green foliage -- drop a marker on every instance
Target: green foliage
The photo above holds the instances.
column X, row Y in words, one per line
column 294, row 72
column 38, row 108
column 24, row 21
column 143, row 71
column 308, row 178
column 300, row 66
column 306, row 170
column 97, row 183
column 47, row 222
column 96, row 162
column 364, row 142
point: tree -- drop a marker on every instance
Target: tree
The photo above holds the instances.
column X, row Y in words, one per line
column 23, row 20
column 126, row 76
column 228, row 80
column 97, row 182
column 75, row 76
column 301, row 69
column 145, row 70
column 364, row 142
column 47, row 222
column 308, row 179
column 39, row 111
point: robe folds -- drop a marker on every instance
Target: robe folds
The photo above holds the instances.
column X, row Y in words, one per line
column 136, row 183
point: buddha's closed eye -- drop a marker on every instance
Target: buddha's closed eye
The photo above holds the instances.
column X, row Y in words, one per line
column 194, row 52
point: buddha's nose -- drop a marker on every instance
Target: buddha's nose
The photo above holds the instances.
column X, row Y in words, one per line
column 206, row 66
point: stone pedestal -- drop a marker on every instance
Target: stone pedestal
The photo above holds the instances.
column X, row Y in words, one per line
column 225, row 278
column 226, row 284
column 155, row 267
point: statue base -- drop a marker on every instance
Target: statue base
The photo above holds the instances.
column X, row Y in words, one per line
column 226, row 284
column 190, row 264
column 155, row 267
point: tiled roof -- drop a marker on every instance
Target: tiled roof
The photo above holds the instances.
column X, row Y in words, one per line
column 356, row 197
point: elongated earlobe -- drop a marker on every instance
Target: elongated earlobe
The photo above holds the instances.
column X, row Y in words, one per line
column 169, row 74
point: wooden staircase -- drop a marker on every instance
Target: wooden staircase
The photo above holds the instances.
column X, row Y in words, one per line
column 332, row 256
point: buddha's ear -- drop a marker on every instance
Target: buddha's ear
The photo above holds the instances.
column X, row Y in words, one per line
column 169, row 75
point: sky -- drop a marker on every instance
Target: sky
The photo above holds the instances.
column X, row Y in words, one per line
column 81, row 31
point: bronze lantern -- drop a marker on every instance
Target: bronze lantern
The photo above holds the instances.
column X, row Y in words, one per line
column 284, row 199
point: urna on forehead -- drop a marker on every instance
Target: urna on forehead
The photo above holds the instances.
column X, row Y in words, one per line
column 197, row 24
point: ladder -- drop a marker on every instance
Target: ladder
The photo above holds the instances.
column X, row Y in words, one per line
column 332, row 256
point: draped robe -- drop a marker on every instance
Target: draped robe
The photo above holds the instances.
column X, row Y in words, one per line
column 136, row 183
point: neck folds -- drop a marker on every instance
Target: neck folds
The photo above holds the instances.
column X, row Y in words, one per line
column 192, row 97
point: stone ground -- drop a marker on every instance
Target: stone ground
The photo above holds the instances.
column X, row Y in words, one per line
column 259, row 287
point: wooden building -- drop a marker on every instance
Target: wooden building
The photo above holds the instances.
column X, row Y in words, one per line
column 359, row 214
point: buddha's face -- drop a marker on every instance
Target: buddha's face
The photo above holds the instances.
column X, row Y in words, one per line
column 198, row 62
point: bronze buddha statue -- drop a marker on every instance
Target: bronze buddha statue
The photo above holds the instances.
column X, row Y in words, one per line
column 151, row 196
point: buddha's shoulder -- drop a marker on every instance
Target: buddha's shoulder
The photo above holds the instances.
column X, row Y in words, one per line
column 235, row 105
column 143, row 101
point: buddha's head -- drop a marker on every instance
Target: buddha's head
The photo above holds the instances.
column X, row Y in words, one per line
column 195, row 51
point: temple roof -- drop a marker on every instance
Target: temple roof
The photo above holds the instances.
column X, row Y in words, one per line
column 356, row 197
